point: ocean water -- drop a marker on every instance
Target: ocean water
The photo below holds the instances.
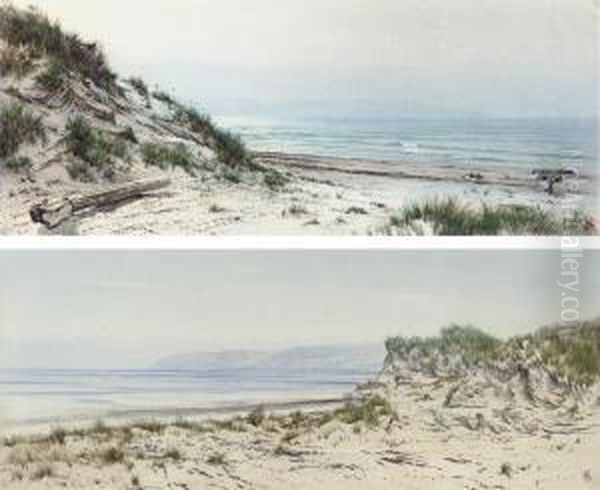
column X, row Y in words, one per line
column 31, row 397
column 524, row 144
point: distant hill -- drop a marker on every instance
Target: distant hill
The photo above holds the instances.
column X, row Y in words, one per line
column 367, row 357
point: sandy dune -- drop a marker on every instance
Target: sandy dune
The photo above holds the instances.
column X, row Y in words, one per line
column 505, row 427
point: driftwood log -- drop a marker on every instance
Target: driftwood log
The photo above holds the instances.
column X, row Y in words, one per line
column 52, row 213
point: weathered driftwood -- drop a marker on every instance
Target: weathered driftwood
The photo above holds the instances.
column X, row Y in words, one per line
column 52, row 213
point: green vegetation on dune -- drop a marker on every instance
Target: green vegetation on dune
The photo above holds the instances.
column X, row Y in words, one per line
column 471, row 343
column 164, row 157
column 573, row 353
column 52, row 78
column 140, row 87
column 368, row 411
column 40, row 37
column 34, row 44
column 95, row 152
column 18, row 126
column 230, row 148
column 450, row 217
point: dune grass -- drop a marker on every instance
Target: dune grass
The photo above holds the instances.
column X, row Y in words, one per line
column 572, row 353
column 368, row 411
column 95, row 152
column 230, row 148
column 33, row 30
column 275, row 180
column 140, row 87
column 18, row 126
column 472, row 344
column 164, row 157
column 52, row 78
column 16, row 62
column 450, row 217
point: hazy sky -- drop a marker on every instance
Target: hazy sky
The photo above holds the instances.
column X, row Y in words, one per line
column 127, row 309
column 408, row 57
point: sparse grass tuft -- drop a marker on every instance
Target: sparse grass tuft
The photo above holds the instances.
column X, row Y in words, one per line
column 296, row 210
column 42, row 471
column 153, row 426
column 53, row 78
column 58, row 436
column 275, row 180
column 18, row 163
column 369, row 411
column 450, row 217
column 33, row 30
column 140, row 87
column 232, row 175
column 112, row 455
column 16, row 61
column 163, row 157
column 215, row 209
column 173, row 454
column 164, row 97
column 18, row 126
column 289, row 436
column 356, row 210
column 506, row 470
column 217, row 459
column 257, row 416
column 94, row 150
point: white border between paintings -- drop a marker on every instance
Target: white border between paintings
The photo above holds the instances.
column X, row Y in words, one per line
column 23, row 243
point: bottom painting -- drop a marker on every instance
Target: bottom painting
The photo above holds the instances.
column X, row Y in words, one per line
column 300, row 369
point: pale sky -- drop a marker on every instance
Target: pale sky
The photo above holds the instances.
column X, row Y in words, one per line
column 87, row 309
column 396, row 58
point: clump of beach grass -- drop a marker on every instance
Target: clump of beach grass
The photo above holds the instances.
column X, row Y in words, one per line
column 52, row 78
column 19, row 126
column 112, row 455
column 257, row 416
column 275, row 180
column 32, row 30
column 471, row 343
column 140, row 87
column 164, row 97
column 356, row 210
column 58, row 435
column 42, row 471
column 173, row 454
column 95, row 152
column 295, row 210
column 449, row 216
column 216, row 209
column 367, row 410
column 164, row 156
column 229, row 147
column 16, row 61
column 217, row 459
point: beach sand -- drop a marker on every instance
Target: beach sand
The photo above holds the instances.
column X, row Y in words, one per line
column 325, row 196
column 477, row 441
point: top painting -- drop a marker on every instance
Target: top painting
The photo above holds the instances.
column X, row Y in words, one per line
column 321, row 117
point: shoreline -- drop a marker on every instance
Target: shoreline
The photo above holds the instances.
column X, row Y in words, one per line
column 117, row 418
